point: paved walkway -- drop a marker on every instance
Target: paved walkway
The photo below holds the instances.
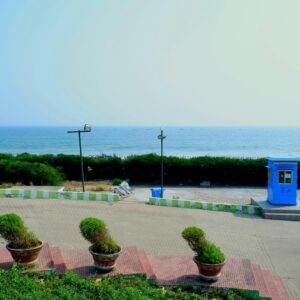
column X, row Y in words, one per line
column 275, row 245
column 228, row 195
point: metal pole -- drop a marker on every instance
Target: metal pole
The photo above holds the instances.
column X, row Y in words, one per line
column 81, row 161
column 162, row 163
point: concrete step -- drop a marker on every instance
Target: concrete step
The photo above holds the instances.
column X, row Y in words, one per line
column 6, row 260
column 146, row 265
column 238, row 273
column 259, row 280
column 271, row 286
column 165, row 270
column 44, row 262
column 57, row 259
column 281, row 211
column 282, row 216
column 281, row 289
column 129, row 262
column 79, row 261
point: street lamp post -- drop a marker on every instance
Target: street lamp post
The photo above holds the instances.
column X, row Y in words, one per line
column 87, row 128
column 161, row 137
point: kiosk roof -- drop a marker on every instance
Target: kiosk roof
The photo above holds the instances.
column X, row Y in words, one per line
column 284, row 159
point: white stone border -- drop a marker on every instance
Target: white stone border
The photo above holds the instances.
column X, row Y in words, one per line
column 234, row 208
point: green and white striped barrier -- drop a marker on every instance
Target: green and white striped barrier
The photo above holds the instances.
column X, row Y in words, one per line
column 44, row 194
column 233, row 208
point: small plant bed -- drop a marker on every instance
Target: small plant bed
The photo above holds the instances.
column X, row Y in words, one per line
column 17, row 286
column 90, row 186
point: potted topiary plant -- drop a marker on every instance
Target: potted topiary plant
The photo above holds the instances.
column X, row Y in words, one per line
column 23, row 245
column 104, row 249
column 209, row 258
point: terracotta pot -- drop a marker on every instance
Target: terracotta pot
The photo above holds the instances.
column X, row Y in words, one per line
column 25, row 257
column 104, row 262
column 209, row 272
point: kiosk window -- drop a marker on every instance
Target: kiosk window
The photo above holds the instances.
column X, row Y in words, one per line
column 285, row 177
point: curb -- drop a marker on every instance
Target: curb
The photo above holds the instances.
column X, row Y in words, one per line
column 233, row 208
column 44, row 194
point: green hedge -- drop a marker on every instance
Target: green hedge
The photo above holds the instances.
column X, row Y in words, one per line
column 140, row 169
column 29, row 172
column 177, row 170
column 69, row 286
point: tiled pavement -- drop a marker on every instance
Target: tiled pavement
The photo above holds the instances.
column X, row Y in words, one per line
column 165, row 270
column 273, row 245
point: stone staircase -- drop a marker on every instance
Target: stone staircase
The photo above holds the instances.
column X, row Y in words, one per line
column 278, row 212
column 163, row 270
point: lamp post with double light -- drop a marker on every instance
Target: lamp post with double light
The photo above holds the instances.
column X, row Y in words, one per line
column 86, row 128
column 161, row 137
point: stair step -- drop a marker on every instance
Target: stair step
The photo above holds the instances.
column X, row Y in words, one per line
column 238, row 273
column 165, row 270
column 44, row 262
column 281, row 289
column 248, row 274
column 79, row 261
column 57, row 259
column 259, row 279
column 282, row 216
column 272, row 289
column 146, row 265
column 129, row 262
column 281, row 211
column 174, row 270
column 6, row 260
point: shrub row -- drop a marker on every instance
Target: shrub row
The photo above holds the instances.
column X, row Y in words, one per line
column 139, row 169
column 27, row 172
column 69, row 286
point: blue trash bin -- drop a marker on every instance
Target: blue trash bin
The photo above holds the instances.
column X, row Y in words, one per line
column 156, row 192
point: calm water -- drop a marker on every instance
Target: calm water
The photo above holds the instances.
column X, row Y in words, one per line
column 181, row 141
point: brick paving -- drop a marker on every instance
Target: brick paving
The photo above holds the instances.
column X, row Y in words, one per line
column 273, row 245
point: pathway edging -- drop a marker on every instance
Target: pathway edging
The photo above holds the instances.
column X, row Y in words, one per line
column 226, row 207
column 45, row 194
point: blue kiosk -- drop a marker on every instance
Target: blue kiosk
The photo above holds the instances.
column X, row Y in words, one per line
column 282, row 180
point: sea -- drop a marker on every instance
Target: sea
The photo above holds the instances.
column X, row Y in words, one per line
column 249, row 142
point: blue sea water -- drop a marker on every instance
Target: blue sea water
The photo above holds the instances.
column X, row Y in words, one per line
column 180, row 141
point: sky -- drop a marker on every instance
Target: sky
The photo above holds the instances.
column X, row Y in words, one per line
column 144, row 63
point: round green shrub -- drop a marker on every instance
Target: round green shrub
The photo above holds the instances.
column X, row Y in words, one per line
column 13, row 230
column 24, row 240
column 93, row 230
column 195, row 237
column 10, row 225
column 117, row 181
column 108, row 247
column 96, row 232
column 211, row 254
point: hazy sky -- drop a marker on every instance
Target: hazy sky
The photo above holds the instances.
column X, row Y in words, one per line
column 152, row 62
